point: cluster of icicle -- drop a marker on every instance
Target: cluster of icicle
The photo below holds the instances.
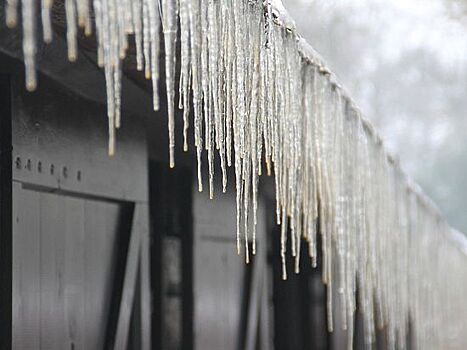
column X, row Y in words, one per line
column 265, row 103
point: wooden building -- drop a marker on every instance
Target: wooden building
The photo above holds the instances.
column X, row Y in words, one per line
column 122, row 252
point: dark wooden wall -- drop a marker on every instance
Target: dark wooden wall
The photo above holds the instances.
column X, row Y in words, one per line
column 80, row 228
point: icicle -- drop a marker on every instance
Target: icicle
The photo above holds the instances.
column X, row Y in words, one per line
column 29, row 39
column 70, row 9
column 11, row 13
column 283, row 244
column 154, row 24
column 208, row 66
column 246, row 198
column 117, row 94
column 99, row 32
column 169, row 28
column 146, row 40
column 46, row 20
column 84, row 18
column 184, row 86
column 138, row 31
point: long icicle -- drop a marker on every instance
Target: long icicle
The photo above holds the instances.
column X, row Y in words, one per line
column 169, row 28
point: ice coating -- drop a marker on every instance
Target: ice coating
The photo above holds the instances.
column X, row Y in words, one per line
column 266, row 103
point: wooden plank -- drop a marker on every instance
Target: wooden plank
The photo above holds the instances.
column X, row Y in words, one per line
column 129, row 283
column 6, row 240
column 74, row 293
column 145, row 275
column 100, row 226
column 26, row 269
column 52, row 263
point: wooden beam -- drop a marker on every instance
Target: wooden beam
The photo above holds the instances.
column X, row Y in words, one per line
column 145, row 278
column 129, row 285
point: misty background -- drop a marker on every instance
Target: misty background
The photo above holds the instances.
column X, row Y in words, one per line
column 405, row 64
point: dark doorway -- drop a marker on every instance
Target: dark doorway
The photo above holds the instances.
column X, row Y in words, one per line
column 299, row 302
column 172, row 256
